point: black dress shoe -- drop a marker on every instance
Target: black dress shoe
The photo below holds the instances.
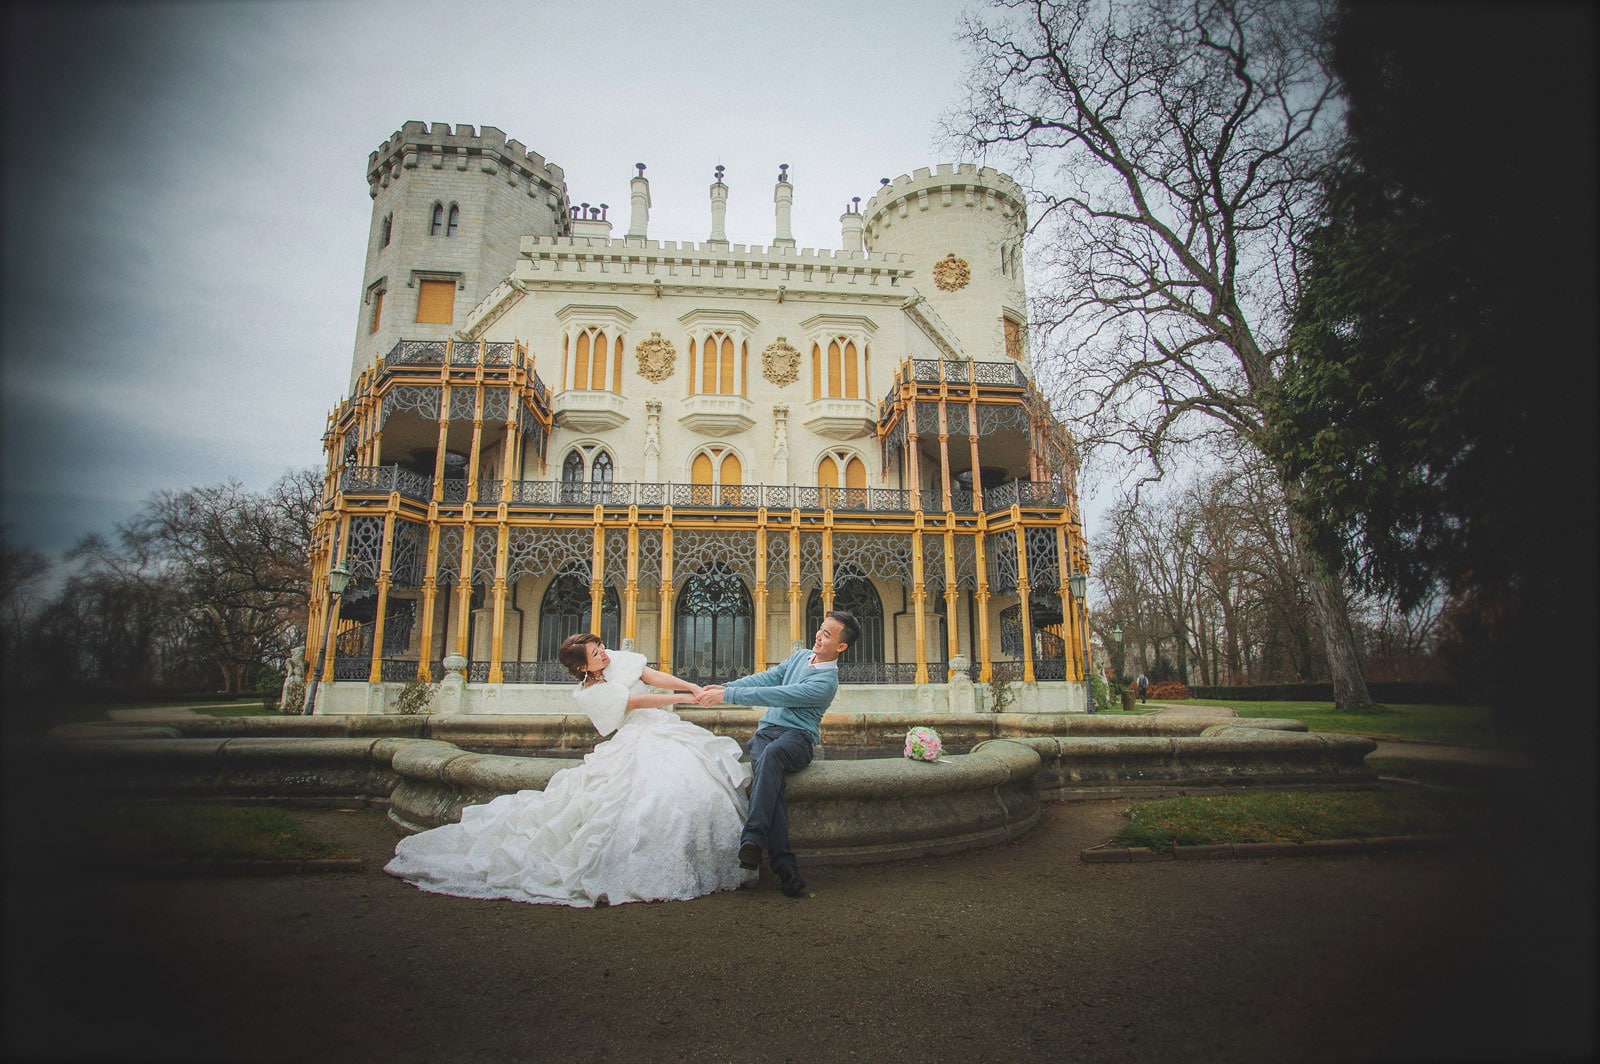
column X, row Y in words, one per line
column 792, row 884
column 749, row 857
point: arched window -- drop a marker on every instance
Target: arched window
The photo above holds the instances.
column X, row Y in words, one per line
column 713, row 370
column 437, row 223
column 595, row 359
column 455, row 220
column 565, row 610
column 852, row 591
column 600, row 477
column 572, row 477
column 837, row 369
column 714, row 627
column 843, row 477
column 388, row 229
column 712, row 469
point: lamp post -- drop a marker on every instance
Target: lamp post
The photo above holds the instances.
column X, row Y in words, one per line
column 1116, row 637
column 1079, row 585
column 338, row 580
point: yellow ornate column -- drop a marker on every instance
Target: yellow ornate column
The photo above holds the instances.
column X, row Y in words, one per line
column 666, row 590
column 944, row 452
column 1022, row 594
column 952, row 632
column 424, row 653
column 919, row 595
column 827, row 564
column 443, row 445
column 972, row 440
column 630, row 607
column 597, row 571
column 981, row 556
column 497, row 640
column 914, row 466
column 375, row 673
column 477, row 442
column 761, row 590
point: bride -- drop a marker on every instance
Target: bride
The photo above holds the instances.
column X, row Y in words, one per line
column 653, row 813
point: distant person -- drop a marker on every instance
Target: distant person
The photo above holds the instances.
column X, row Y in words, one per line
column 1144, row 685
column 798, row 692
column 651, row 814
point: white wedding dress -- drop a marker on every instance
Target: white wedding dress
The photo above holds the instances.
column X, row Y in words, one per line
column 653, row 813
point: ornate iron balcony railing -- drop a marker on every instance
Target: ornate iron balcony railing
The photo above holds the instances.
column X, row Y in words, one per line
column 381, row 480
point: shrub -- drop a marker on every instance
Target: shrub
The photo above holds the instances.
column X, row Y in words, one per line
column 416, row 696
column 269, row 685
column 1169, row 691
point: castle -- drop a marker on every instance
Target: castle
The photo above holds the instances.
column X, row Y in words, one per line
column 691, row 448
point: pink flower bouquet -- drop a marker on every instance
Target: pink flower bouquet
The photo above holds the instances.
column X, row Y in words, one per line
column 923, row 744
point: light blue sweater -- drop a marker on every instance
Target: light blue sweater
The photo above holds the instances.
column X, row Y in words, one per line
column 797, row 695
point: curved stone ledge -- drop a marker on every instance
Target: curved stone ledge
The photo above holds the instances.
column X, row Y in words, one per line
column 840, row 810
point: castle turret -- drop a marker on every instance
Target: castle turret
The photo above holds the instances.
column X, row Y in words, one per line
column 963, row 227
column 783, row 206
column 449, row 209
column 639, row 194
column 719, row 212
column 850, row 225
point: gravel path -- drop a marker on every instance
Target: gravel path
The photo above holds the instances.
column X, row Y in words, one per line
column 1019, row 952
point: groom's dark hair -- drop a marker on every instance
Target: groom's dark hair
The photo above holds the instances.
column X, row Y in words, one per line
column 852, row 630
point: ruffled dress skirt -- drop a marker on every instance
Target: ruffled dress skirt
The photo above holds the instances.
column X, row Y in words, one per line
column 653, row 813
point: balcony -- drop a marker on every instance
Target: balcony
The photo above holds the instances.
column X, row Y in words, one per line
column 717, row 415
column 841, row 419
column 589, row 411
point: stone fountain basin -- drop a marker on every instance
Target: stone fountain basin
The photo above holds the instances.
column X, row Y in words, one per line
column 848, row 808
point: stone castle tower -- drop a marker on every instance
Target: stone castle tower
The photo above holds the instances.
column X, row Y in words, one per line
column 450, row 207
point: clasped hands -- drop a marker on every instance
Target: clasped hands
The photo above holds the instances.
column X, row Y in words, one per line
column 710, row 695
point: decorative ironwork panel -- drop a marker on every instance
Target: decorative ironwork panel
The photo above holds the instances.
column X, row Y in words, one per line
column 398, row 670
column 616, row 560
column 927, row 419
column 477, row 672
column 654, row 494
column 413, row 485
column 1011, row 631
column 998, row 373
column 926, row 371
column 879, row 672
column 536, row 551
column 422, row 399
column 1050, row 669
column 933, row 563
column 1040, row 493
column 810, row 559
column 894, row 441
column 650, row 557
column 364, row 480
column 1001, row 549
column 958, row 372
column 485, row 545
column 463, row 402
column 464, row 354
column 966, row 563
column 366, row 547
column 992, row 417
column 961, row 501
column 499, row 354
column 450, row 538
column 890, row 499
column 1010, row 671
column 409, row 554
column 777, row 560
column 416, row 353
column 535, row 672
column 454, row 490
column 489, row 491
column 1044, row 568
column 496, row 404
column 739, row 496
column 956, row 419
column 885, row 557
column 693, row 550
column 999, row 497
column 352, row 668
column 932, row 500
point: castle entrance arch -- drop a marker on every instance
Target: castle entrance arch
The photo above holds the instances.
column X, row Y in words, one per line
column 713, row 636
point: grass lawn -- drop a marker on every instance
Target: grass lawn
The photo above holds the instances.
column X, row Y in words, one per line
column 181, row 831
column 1466, row 725
column 1302, row 816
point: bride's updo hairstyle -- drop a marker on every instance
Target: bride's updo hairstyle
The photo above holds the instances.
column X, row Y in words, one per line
column 574, row 653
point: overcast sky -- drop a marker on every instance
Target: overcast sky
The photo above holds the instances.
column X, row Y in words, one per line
column 186, row 208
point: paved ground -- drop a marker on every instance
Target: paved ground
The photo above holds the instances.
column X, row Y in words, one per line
column 1020, row 952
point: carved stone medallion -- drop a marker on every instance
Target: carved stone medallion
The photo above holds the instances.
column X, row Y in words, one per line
column 951, row 273
column 656, row 358
column 780, row 362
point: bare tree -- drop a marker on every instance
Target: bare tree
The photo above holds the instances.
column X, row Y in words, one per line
column 1173, row 146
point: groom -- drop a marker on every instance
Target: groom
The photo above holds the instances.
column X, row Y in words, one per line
column 798, row 692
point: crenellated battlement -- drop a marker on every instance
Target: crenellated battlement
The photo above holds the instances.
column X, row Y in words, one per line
column 534, row 247
column 440, row 146
column 974, row 184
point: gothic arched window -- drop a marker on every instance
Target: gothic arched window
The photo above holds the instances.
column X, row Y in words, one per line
column 565, row 610
column 388, row 229
column 572, row 477
column 853, row 592
column 714, row 627
column 600, row 476
column 438, row 220
column 455, row 220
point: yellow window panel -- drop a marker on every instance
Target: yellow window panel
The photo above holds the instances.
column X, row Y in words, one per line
column 436, row 302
